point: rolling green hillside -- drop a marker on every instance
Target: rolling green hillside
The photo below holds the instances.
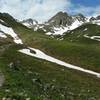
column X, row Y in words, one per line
column 28, row 78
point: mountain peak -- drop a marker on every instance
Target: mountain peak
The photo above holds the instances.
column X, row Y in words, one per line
column 98, row 17
column 80, row 17
column 61, row 14
column 79, row 14
column 30, row 22
column 61, row 18
column 5, row 16
column 61, row 22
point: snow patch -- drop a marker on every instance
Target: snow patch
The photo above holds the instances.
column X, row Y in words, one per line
column 58, row 31
column 96, row 22
column 39, row 54
column 2, row 21
column 10, row 32
column 61, row 30
column 92, row 37
column 31, row 24
column 27, row 24
column 75, row 25
column 2, row 35
column 36, row 28
column 85, row 29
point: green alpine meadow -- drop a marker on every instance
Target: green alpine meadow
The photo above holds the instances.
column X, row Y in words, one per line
column 58, row 59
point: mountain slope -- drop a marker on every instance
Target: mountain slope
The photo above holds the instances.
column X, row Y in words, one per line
column 63, row 22
column 31, row 78
column 82, row 32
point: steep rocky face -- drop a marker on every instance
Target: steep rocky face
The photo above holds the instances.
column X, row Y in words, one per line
column 98, row 17
column 5, row 17
column 63, row 19
column 95, row 20
column 79, row 17
column 61, row 22
column 59, row 19
column 92, row 19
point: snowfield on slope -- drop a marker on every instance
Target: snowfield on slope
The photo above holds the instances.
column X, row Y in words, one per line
column 39, row 54
column 97, row 38
column 96, row 22
column 10, row 32
column 2, row 35
column 58, row 31
column 62, row 30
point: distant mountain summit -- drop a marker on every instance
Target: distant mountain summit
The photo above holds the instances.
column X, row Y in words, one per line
column 61, row 22
column 95, row 20
column 80, row 17
column 63, row 19
column 29, row 22
column 59, row 19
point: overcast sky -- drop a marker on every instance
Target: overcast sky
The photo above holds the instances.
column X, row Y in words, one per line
column 42, row 10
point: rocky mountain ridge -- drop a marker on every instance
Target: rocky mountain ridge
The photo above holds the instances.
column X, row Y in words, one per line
column 61, row 22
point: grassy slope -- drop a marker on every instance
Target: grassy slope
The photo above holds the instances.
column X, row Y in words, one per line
column 53, row 82
column 82, row 51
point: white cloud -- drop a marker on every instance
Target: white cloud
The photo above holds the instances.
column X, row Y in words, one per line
column 87, row 11
column 97, row 10
column 42, row 10
column 37, row 9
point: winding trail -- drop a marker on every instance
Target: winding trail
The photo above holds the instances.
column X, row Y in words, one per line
column 39, row 54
